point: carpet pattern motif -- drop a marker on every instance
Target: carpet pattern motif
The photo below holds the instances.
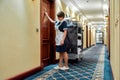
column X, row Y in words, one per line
column 90, row 68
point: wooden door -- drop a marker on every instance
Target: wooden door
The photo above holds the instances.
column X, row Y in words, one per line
column 90, row 37
column 86, row 36
column 47, row 29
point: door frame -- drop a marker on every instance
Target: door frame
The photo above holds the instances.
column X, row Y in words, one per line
column 90, row 37
column 86, row 36
column 52, row 41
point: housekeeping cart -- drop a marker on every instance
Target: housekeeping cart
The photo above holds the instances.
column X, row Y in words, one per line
column 75, row 41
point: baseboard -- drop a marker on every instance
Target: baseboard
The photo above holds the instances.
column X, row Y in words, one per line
column 22, row 76
column 93, row 45
column 84, row 49
column 56, row 61
column 112, row 72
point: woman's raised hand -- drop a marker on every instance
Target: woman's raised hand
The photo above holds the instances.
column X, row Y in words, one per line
column 45, row 12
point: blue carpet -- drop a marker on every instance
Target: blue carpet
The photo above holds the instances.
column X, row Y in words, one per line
column 81, row 70
column 107, row 69
column 46, row 69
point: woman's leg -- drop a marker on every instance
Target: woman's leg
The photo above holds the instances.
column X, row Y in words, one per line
column 65, row 59
column 61, row 59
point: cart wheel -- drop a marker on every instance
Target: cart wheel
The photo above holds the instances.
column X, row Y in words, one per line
column 76, row 60
column 81, row 58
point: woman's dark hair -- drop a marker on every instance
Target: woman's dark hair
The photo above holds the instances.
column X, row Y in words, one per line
column 61, row 14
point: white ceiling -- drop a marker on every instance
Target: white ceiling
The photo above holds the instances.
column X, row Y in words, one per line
column 93, row 10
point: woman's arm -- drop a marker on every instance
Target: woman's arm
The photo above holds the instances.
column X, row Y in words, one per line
column 64, row 36
column 49, row 18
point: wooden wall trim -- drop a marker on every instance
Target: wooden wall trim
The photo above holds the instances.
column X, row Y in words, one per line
column 22, row 76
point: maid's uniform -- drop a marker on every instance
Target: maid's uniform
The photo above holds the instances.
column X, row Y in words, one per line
column 60, row 27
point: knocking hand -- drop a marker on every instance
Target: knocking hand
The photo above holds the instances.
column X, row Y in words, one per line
column 45, row 12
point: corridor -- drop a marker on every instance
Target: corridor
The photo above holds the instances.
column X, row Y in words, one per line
column 28, row 39
column 91, row 67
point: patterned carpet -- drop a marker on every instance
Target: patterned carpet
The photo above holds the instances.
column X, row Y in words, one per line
column 90, row 68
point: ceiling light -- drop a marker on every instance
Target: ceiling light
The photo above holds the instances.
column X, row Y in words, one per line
column 87, row 1
column 104, row 0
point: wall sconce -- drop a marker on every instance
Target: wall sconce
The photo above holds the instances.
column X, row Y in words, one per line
column 106, row 18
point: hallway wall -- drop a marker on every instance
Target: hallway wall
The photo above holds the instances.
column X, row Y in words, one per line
column 91, row 35
column 88, row 39
column 93, row 42
column 19, row 41
column 105, row 36
column 115, row 38
column 84, row 23
column 84, row 35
